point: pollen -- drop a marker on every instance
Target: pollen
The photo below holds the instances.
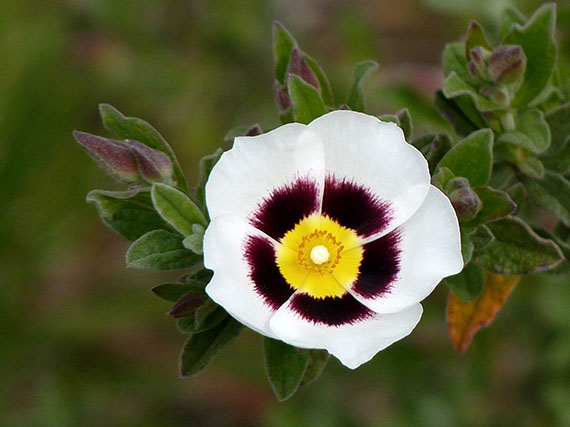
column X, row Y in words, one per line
column 320, row 257
column 320, row 254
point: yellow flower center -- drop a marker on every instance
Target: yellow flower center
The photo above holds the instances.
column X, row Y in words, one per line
column 320, row 257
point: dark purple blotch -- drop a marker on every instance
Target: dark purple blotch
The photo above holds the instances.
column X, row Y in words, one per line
column 330, row 311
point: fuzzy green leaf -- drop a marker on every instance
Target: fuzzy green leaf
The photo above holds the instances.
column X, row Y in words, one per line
column 204, row 317
column 285, row 367
column 202, row 347
column 564, row 266
column 361, row 72
column 318, row 360
column 468, row 284
column 405, row 122
column 176, row 208
column 517, row 249
column 559, row 122
column 451, row 111
column 481, row 237
column 139, row 130
column 532, row 132
column 536, row 38
column 326, row 91
column 532, row 167
column 467, row 246
column 130, row 213
column 455, row 86
column 475, row 37
column 160, row 250
column 307, row 101
column 551, row 193
column 283, row 44
column 496, row 205
column 455, row 61
column 207, row 163
column 471, row 158
column 509, row 18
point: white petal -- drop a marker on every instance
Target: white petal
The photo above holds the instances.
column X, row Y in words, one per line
column 374, row 154
column 353, row 344
column 255, row 166
column 430, row 244
column 232, row 287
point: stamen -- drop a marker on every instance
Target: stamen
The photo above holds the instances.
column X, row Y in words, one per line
column 320, row 254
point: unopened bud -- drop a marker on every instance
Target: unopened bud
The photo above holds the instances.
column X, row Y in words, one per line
column 282, row 99
column 507, row 64
column 477, row 67
column 465, row 201
column 299, row 67
column 153, row 165
column 113, row 156
column 495, row 94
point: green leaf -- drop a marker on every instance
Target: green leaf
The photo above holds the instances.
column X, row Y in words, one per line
column 471, row 158
column 510, row 17
column 139, row 130
column 195, row 241
column 434, row 148
column 285, row 367
column 496, row 205
column 467, row 246
column 176, row 208
column 481, row 237
column 205, row 317
column 517, row 249
column 129, row 213
column 174, row 291
column 326, row 91
column 202, row 347
column 160, row 250
column 455, row 61
column 283, row 44
column 559, row 122
column 475, row 37
column 551, row 193
column 361, row 72
column 306, row 100
column 405, row 122
column 468, row 284
column 450, row 111
column 517, row 193
column 207, row 163
column 536, row 38
column 564, row 266
column 532, row 132
column 532, row 167
column 318, row 360
column 455, row 86
column 559, row 162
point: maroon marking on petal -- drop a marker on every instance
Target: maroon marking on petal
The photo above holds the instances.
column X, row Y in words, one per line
column 264, row 272
column 354, row 206
column 330, row 311
column 285, row 207
column 379, row 267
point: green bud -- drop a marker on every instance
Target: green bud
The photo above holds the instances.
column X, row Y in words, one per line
column 496, row 94
column 281, row 97
column 111, row 155
column 442, row 177
column 507, row 65
column 465, row 201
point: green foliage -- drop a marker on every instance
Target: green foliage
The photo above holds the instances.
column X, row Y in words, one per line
column 468, row 284
column 454, row 114
column 202, row 347
column 283, row 44
column 177, row 209
column 160, row 250
column 202, row 318
column 496, row 204
column 536, row 38
column 207, row 163
column 306, row 100
column 356, row 97
column 517, row 249
column 475, row 37
column 130, row 213
column 471, row 158
column 551, row 193
column 532, row 132
column 285, row 366
column 174, row 291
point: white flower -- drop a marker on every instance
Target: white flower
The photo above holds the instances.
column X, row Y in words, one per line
column 328, row 235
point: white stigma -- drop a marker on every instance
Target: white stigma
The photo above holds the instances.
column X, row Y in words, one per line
column 319, row 254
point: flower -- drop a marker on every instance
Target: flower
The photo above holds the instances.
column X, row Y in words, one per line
column 328, row 235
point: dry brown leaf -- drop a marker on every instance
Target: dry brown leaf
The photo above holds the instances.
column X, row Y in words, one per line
column 464, row 319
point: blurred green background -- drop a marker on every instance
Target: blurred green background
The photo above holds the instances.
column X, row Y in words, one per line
column 83, row 341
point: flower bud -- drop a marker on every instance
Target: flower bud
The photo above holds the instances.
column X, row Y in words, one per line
column 113, row 156
column 153, row 165
column 495, row 94
column 465, row 201
column 282, row 99
column 507, row 65
column 477, row 67
column 299, row 67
